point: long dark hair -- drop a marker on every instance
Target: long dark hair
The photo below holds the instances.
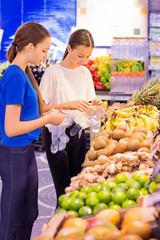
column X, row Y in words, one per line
column 30, row 32
column 80, row 37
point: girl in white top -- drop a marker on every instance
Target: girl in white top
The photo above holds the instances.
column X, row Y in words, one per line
column 69, row 85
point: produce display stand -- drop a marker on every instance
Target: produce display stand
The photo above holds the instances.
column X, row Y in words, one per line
column 56, row 222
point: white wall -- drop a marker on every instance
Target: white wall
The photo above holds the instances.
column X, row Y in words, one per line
column 113, row 18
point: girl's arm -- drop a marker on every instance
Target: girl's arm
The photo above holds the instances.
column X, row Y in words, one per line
column 79, row 104
column 14, row 127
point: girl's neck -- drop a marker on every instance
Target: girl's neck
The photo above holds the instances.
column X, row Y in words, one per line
column 20, row 61
column 67, row 64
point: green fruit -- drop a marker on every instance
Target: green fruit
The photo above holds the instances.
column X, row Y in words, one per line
column 119, row 197
column 128, row 203
column 132, row 193
column 92, row 201
column 62, row 198
column 104, row 196
column 99, row 207
column 120, row 178
column 73, row 212
column 86, row 189
column 75, row 204
column 84, row 211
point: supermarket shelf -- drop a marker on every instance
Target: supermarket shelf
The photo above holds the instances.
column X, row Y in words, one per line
column 107, row 95
column 154, row 54
column 156, row 68
column 154, row 38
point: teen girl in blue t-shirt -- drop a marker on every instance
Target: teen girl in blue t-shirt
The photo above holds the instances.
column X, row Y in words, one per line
column 21, row 118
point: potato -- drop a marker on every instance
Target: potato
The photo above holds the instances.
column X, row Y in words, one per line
column 133, row 145
column 106, row 139
column 129, row 133
column 92, row 155
column 140, row 129
column 120, row 148
column 138, row 135
column 99, row 144
column 106, row 151
column 122, row 127
column 146, row 143
column 118, row 134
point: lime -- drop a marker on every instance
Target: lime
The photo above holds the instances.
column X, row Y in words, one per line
column 104, row 196
column 65, row 203
column 62, row 198
column 92, row 194
column 74, row 193
column 143, row 191
column 132, row 193
column 128, row 203
column 73, row 212
column 123, row 185
column 97, row 188
column 152, row 187
column 92, row 201
column 136, row 176
column 86, row 189
column 157, row 179
column 110, row 204
column 117, row 189
column 99, row 207
column 143, row 179
column 133, row 184
column 104, row 182
column 84, row 211
column 115, row 207
column 75, row 204
column 106, row 188
column 111, row 185
column 58, row 211
column 119, row 197
column 82, row 196
column 120, row 178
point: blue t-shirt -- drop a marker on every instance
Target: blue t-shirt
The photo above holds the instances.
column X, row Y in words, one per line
column 16, row 88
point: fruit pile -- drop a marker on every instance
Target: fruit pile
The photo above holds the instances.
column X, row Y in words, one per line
column 100, row 71
column 123, row 192
column 134, row 116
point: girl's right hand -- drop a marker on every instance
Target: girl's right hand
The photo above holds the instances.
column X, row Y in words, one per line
column 56, row 117
column 79, row 105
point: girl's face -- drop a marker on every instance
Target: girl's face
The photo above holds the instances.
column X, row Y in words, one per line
column 40, row 51
column 78, row 55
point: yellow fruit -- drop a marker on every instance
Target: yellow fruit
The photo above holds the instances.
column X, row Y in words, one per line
column 77, row 223
column 131, row 215
column 109, row 214
column 140, row 228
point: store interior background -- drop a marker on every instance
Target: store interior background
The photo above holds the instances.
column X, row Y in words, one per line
column 105, row 19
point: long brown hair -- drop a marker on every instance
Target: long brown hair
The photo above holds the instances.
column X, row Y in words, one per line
column 80, row 37
column 30, row 32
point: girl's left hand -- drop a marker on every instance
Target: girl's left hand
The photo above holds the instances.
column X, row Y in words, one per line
column 96, row 102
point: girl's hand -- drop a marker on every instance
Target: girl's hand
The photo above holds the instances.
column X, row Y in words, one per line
column 96, row 102
column 79, row 105
column 57, row 117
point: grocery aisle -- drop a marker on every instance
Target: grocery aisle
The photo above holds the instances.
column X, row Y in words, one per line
column 47, row 197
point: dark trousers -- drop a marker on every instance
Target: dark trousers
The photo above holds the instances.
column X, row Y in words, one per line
column 67, row 163
column 19, row 198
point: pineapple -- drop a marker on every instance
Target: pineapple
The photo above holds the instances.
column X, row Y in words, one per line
column 148, row 94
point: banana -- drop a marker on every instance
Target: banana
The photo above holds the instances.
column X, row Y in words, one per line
column 108, row 125
column 149, row 124
column 130, row 109
column 123, row 114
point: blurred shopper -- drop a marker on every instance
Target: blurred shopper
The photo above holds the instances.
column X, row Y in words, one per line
column 69, row 85
column 20, row 122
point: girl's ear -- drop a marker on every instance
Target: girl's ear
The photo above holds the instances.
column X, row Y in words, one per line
column 69, row 48
column 29, row 47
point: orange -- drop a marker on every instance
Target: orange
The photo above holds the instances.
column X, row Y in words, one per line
column 132, row 214
column 109, row 214
column 140, row 228
column 77, row 223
